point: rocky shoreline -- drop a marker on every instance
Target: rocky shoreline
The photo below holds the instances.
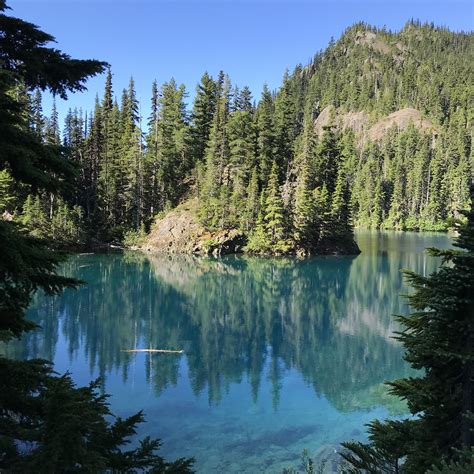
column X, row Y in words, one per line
column 180, row 233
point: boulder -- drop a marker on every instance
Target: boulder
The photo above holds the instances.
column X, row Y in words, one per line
column 180, row 232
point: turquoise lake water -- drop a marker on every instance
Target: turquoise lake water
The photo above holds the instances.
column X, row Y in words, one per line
column 280, row 355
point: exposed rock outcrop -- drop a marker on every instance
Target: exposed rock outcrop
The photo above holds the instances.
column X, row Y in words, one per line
column 359, row 123
column 180, row 232
column 372, row 40
column 400, row 119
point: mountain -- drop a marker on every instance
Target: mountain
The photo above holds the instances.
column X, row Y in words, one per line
column 407, row 98
column 376, row 131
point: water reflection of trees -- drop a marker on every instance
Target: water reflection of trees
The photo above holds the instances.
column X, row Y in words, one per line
column 329, row 318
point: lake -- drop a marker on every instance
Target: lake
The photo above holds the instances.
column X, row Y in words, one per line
column 280, row 355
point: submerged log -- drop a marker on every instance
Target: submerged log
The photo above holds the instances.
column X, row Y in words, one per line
column 154, row 350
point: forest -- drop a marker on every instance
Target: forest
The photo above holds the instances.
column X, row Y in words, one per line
column 374, row 132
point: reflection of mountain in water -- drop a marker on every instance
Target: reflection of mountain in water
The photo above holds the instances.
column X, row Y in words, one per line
column 329, row 318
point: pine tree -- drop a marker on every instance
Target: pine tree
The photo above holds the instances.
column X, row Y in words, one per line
column 341, row 220
column 328, row 157
column 129, row 167
column 439, row 340
column 285, row 126
column 397, row 213
column 259, row 241
column 172, row 130
column 106, row 152
column 37, row 114
column 252, row 205
column 274, row 214
column 322, row 205
column 152, row 192
column 34, row 218
column 51, row 134
column 304, row 217
column 8, row 198
column 265, row 133
column 202, row 115
column 217, row 156
column 66, row 428
column 94, row 152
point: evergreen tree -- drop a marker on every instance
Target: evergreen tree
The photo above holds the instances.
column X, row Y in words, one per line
column 327, row 158
column 304, row 217
column 7, row 194
column 202, row 115
column 285, row 126
column 106, row 151
column 173, row 159
column 37, row 119
column 129, row 167
column 252, row 205
column 439, row 339
column 274, row 214
column 341, row 219
column 217, row 157
column 152, row 192
column 64, row 427
column 259, row 241
column 265, row 133
column 52, row 135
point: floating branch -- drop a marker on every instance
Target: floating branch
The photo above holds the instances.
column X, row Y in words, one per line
column 153, row 350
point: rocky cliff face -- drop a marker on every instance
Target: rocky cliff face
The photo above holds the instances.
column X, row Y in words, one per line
column 180, row 232
column 364, row 130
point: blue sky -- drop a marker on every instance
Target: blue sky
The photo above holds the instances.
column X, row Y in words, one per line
column 252, row 40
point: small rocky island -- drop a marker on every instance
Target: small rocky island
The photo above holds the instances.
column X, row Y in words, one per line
column 180, row 232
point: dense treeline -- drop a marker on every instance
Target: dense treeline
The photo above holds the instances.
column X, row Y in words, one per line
column 47, row 423
column 438, row 337
column 263, row 167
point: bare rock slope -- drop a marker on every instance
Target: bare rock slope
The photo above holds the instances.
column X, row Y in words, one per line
column 359, row 122
column 180, row 232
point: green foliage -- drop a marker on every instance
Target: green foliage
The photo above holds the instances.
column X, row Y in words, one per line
column 202, row 115
column 7, row 195
column 26, row 266
column 464, row 465
column 411, row 177
column 46, row 423
column 305, row 215
column 134, row 238
column 265, row 134
column 439, row 338
column 275, row 218
column 65, row 229
column 258, row 241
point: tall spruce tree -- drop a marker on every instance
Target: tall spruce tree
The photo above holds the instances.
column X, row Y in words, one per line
column 204, row 107
column 306, row 231
column 216, row 157
column 173, row 159
column 275, row 217
column 266, row 134
column 152, row 191
column 439, row 340
column 65, row 427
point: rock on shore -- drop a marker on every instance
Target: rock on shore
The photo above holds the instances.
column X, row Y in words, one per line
column 180, row 232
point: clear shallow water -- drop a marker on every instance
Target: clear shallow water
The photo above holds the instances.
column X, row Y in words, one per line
column 281, row 355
